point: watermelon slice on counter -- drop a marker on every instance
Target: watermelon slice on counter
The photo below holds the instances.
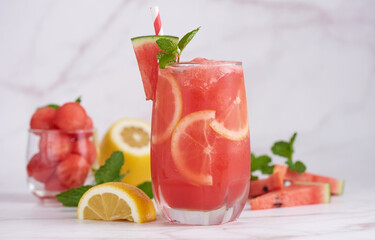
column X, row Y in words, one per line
column 297, row 194
column 337, row 185
column 145, row 49
column 274, row 182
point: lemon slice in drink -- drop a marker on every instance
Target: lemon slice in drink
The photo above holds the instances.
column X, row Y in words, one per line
column 132, row 137
column 232, row 123
column 191, row 148
column 167, row 107
column 116, row 201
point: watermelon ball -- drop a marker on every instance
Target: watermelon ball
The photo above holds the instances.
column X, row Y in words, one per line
column 70, row 116
column 54, row 145
column 40, row 169
column 72, row 171
column 54, row 184
column 86, row 148
column 88, row 123
column 43, row 118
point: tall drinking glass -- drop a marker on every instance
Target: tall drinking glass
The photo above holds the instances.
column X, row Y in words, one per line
column 200, row 146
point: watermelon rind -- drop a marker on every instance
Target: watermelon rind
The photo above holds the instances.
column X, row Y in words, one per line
column 300, row 193
column 341, row 184
column 151, row 38
column 327, row 189
column 337, row 185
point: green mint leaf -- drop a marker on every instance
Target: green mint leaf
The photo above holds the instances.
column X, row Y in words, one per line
column 166, row 59
column 166, row 45
column 261, row 163
column 70, row 198
column 78, row 100
column 147, row 188
column 293, row 138
column 257, row 163
column 286, row 149
column 160, row 55
column 267, row 169
column 282, row 149
column 186, row 39
column 120, row 177
column 299, row 167
column 110, row 171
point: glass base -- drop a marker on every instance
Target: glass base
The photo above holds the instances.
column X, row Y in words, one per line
column 218, row 216
column 40, row 192
column 214, row 217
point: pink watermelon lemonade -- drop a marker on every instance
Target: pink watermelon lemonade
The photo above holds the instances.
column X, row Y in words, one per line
column 200, row 151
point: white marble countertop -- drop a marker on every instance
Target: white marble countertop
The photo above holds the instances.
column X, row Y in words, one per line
column 351, row 216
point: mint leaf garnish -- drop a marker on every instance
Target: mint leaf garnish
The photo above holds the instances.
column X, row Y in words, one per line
column 299, row 167
column 261, row 163
column 78, row 100
column 71, row 197
column 147, row 188
column 110, row 172
column 285, row 149
column 165, row 59
column 166, row 45
column 186, row 39
column 170, row 50
column 282, row 149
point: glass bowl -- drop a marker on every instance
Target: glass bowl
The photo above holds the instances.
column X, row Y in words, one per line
column 58, row 161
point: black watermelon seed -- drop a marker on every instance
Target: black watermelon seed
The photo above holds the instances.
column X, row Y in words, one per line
column 277, row 205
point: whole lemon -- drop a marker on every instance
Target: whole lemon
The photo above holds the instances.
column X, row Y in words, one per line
column 132, row 137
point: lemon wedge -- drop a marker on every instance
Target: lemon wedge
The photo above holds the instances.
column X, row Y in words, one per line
column 116, row 201
column 132, row 137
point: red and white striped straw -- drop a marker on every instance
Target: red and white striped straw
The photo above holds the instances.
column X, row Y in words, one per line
column 157, row 22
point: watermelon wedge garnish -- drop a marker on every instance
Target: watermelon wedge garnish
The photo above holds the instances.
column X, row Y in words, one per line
column 297, row 194
column 145, row 49
column 337, row 185
column 274, row 182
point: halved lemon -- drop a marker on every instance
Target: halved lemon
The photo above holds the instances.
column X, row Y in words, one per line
column 132, row 137
column 232, row 122
column 167, row 107
column 116, row 201
column 191, row 148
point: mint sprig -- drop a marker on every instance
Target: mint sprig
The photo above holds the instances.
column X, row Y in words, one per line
column 170, row 50
column 285, row 149
column 261, row 163
column 185, row 40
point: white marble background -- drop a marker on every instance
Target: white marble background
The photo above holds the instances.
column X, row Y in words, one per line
column 309, row 67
